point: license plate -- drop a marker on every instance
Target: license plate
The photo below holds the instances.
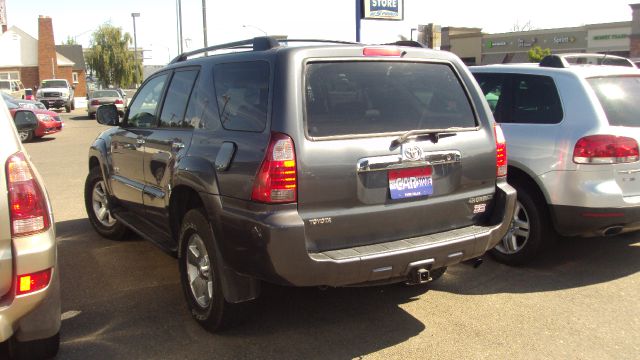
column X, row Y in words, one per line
column 407, row 183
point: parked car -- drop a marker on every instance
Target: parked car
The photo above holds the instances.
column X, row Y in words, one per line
column 29, row 279
column 572, row 135
column 23, row 103
column 29, row 94
column 104, row 97
column 124, row 96
column 26, row 123
column 349, row 165
column 49, row 122
column 12, row 87
column 56, row 93
column 570, row 59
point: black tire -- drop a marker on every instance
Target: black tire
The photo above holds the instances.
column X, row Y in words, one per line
column 521, row 245
column 73, row 105
column 37, row 349
column 67, row 108
column 26, row 136
column 213, row 313
column 92, row 115
column 110, row 227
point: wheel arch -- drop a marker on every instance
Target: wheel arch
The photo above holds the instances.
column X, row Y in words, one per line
column 518, row 177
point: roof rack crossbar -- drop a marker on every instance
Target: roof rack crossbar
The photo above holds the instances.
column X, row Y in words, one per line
column 257, row 43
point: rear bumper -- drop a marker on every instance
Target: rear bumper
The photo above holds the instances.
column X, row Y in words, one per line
column 586, row 221
column 271, row 246
column 36, row 315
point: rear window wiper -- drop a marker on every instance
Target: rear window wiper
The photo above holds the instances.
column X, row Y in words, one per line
column 434, row 134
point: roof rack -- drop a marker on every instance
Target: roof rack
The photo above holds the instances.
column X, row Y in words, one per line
column 409, row 43
column 569, row 59
column 261, row 43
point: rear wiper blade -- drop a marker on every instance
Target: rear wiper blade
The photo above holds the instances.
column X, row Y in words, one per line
column 435, row 134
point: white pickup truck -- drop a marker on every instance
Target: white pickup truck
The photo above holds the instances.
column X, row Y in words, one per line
column 56, row 93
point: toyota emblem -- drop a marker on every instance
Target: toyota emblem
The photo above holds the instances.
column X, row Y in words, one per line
column 412, row 152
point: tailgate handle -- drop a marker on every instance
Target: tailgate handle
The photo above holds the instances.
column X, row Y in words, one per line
column 225, row 155
column 381, row 163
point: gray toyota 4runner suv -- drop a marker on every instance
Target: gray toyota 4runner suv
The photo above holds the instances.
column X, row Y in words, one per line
column 323, row 164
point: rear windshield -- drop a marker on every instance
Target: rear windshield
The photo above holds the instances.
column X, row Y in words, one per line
column 355, row 98
column 105, row 93
column 618, row 96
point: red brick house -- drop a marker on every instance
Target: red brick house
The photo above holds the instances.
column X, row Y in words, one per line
column 31, row 60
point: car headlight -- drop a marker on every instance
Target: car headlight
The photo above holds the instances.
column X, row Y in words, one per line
column 43, row 117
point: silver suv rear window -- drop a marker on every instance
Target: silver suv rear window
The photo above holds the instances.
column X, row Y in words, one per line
column 358, row 97
column 618, row 97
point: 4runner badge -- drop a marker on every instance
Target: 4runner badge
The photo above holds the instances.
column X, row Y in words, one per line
column 320, row 221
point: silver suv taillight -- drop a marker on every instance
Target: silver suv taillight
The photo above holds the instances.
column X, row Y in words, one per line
column 277, row 179
column 501, row 151
column 28, row 210
column 605, row 149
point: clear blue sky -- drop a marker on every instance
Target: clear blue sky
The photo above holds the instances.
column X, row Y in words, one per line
column 325, row 19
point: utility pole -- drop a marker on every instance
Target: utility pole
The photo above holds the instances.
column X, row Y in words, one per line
column 135, row 49
column 181, row 48
column 204, row 24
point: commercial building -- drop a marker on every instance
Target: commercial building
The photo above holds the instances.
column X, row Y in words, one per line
column 475, row 47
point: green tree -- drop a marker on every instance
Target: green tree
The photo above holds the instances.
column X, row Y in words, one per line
column 110, row 59
column 536, row 53
column 70, row 41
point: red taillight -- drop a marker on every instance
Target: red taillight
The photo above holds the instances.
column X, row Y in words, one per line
column 95, row 102
column 381, row 51
column 276, row 181
column 28, row 209
column 501, row 151
column 605, row 149
column 33, row 282
column 119, row 101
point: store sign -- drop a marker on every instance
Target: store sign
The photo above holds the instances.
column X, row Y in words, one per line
column 526, row 43
column 491, row 44
column 611, row 37
column 383, row 9
column 564, row 39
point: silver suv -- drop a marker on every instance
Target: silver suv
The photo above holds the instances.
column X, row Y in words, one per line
column 572, row 135
column 29, row 282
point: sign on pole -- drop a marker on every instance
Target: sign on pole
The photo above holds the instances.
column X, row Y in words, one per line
column 383, row 9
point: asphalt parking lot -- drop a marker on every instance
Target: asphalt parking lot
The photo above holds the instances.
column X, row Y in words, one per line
column 122, row 300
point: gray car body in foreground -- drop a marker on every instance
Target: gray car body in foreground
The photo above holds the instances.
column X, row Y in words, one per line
column 34, row 316
column 343, row 228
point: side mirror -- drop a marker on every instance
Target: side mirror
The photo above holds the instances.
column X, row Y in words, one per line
column 25, row 120
column 107, row 115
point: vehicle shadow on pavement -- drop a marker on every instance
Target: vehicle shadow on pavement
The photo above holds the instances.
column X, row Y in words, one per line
column 81, row 118
column 43, row 139
column 570, row 263
column 123, row 300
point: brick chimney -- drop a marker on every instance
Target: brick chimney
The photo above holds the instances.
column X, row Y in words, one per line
column 47, row 59
column 634, row 39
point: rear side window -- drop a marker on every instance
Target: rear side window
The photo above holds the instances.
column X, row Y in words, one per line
column 355, row 98
column 242, row 93
column 175, row 103
column 535, row 100
column 618, row 96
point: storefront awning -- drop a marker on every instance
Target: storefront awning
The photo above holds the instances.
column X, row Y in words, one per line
column 522, row 57
column 488, row 59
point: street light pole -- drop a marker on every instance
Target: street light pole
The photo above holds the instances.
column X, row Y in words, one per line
column 135, row 48
column 181, row 49
column 204, row 23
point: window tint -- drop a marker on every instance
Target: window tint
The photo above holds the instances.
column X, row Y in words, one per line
column 142, row 111
column 242, row 93
column 175, row 102
column 492, row 86
column 618, row 96
column 535, row 100
column 353, row 98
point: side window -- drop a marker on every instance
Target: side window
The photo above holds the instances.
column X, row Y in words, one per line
column 242, row 93
column 535, row 100
column 175, row 103
column 142, row 111
column 493, row 88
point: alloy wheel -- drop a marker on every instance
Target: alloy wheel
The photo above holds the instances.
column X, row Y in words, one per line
column 199, row 271
column 101, row 205
column 518, row 233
